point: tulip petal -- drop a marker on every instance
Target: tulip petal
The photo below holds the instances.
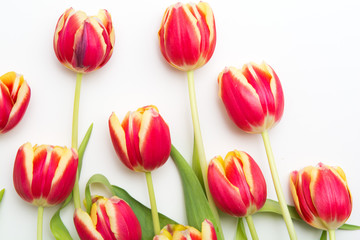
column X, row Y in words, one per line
column 85, row 227
column 6, row 105
column 208, row 231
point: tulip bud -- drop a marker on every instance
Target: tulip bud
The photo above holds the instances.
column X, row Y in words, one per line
column 14, row 99
column 44, row 175
column 187, row 35
column 142, row 141
column 84, row 44
column 321, row 196
column 180, row 232
column 252, row 96
column 237, row 184
column 110, row 218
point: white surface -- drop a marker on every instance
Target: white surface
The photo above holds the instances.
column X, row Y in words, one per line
column 312, row 45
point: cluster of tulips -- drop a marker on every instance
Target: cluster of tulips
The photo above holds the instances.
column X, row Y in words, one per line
column 48, row 175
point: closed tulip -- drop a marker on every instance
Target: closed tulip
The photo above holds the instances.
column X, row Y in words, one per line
column 252, row 96
column 44, row 175
column 237, row 184
column 109, row 219
column 84, row 44
column 187, row 35
column 180, row 232
column 14, row 99
column 321, row 196
column 142, row 140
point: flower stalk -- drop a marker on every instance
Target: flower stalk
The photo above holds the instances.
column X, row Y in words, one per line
column 154, row 212
column 251, row 226
column 199, row 142
column 277, row 185
column 332, row 234
column 40, row 223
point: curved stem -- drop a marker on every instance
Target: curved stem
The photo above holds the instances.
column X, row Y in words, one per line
column 40, row 223
column 154, row 212
column 240, row 230
column 74, row 137
column 277, row 185
column 199, row 142
column 332, row 234
column 251, row 226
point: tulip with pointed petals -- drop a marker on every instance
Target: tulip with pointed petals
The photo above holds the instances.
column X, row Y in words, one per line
column 321, row 196
column 14, row 99
column 84, row 44
column 109, row 219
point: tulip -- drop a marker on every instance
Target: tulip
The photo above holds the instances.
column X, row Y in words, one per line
column 252, row 96
column 14, row 99
column 142, row 141
column 81, row 43
column 237, row 184
column 254, row 100
column 109, row 218
column 180, row 232
column 187, row 35
column 321, row 196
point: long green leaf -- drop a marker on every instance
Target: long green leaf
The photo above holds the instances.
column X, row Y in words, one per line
column 196, row 204
column 196, row 165
column 272, row 206
column 57, row 227
column 2, row 194
column 142, row 212
column 323, row 235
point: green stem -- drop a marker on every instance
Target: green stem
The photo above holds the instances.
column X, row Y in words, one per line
column 240, row 230
column 332, row 234
column 154, row 212
column 199, row 142
column 40, row 223
column 74, row 137
column 251, row 226
column 277, row 185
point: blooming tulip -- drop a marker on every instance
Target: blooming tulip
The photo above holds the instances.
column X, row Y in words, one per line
column 252, row 96
column 142, row 140
column 83, row 43
column 237, row 184
column 187, row 35
column 180, row 232
column 109, row 219
column 44, row 175
column 321, row 196
column 14, row 99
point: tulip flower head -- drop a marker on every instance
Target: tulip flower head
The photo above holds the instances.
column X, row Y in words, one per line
column 84, row 44
column 109, row 218
column 14, row 99
column 142, row 140
column 44, row 175
column 321, row 196
column 237, row 184
column 180, row 232
column 252, row 96
column 187, row 35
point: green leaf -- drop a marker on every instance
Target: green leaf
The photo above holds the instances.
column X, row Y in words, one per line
column 196, row 204
column 240, row 230
column 142, row 212
column 272, row 206
column 2, row 194
column 196, row 166
column 323, row 235
column 57, row 227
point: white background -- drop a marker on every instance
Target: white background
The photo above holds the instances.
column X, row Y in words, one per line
column 312, row 45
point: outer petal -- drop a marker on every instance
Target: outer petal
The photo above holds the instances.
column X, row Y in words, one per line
column 85, row 227
column 108, row 35
column 155, row 143
column 208, row 231
column 6, row 104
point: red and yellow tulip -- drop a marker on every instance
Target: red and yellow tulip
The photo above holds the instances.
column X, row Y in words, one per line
column 14, row 100
column 321, row 196
column 237, row 184
column 109, row 219
column 252, row 96
column 142, row 141
column 44, row 175
column 188, row 35
column 84, row 44
column 180, row 232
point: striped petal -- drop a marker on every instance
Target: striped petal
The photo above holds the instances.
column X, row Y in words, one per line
column 85, row 227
